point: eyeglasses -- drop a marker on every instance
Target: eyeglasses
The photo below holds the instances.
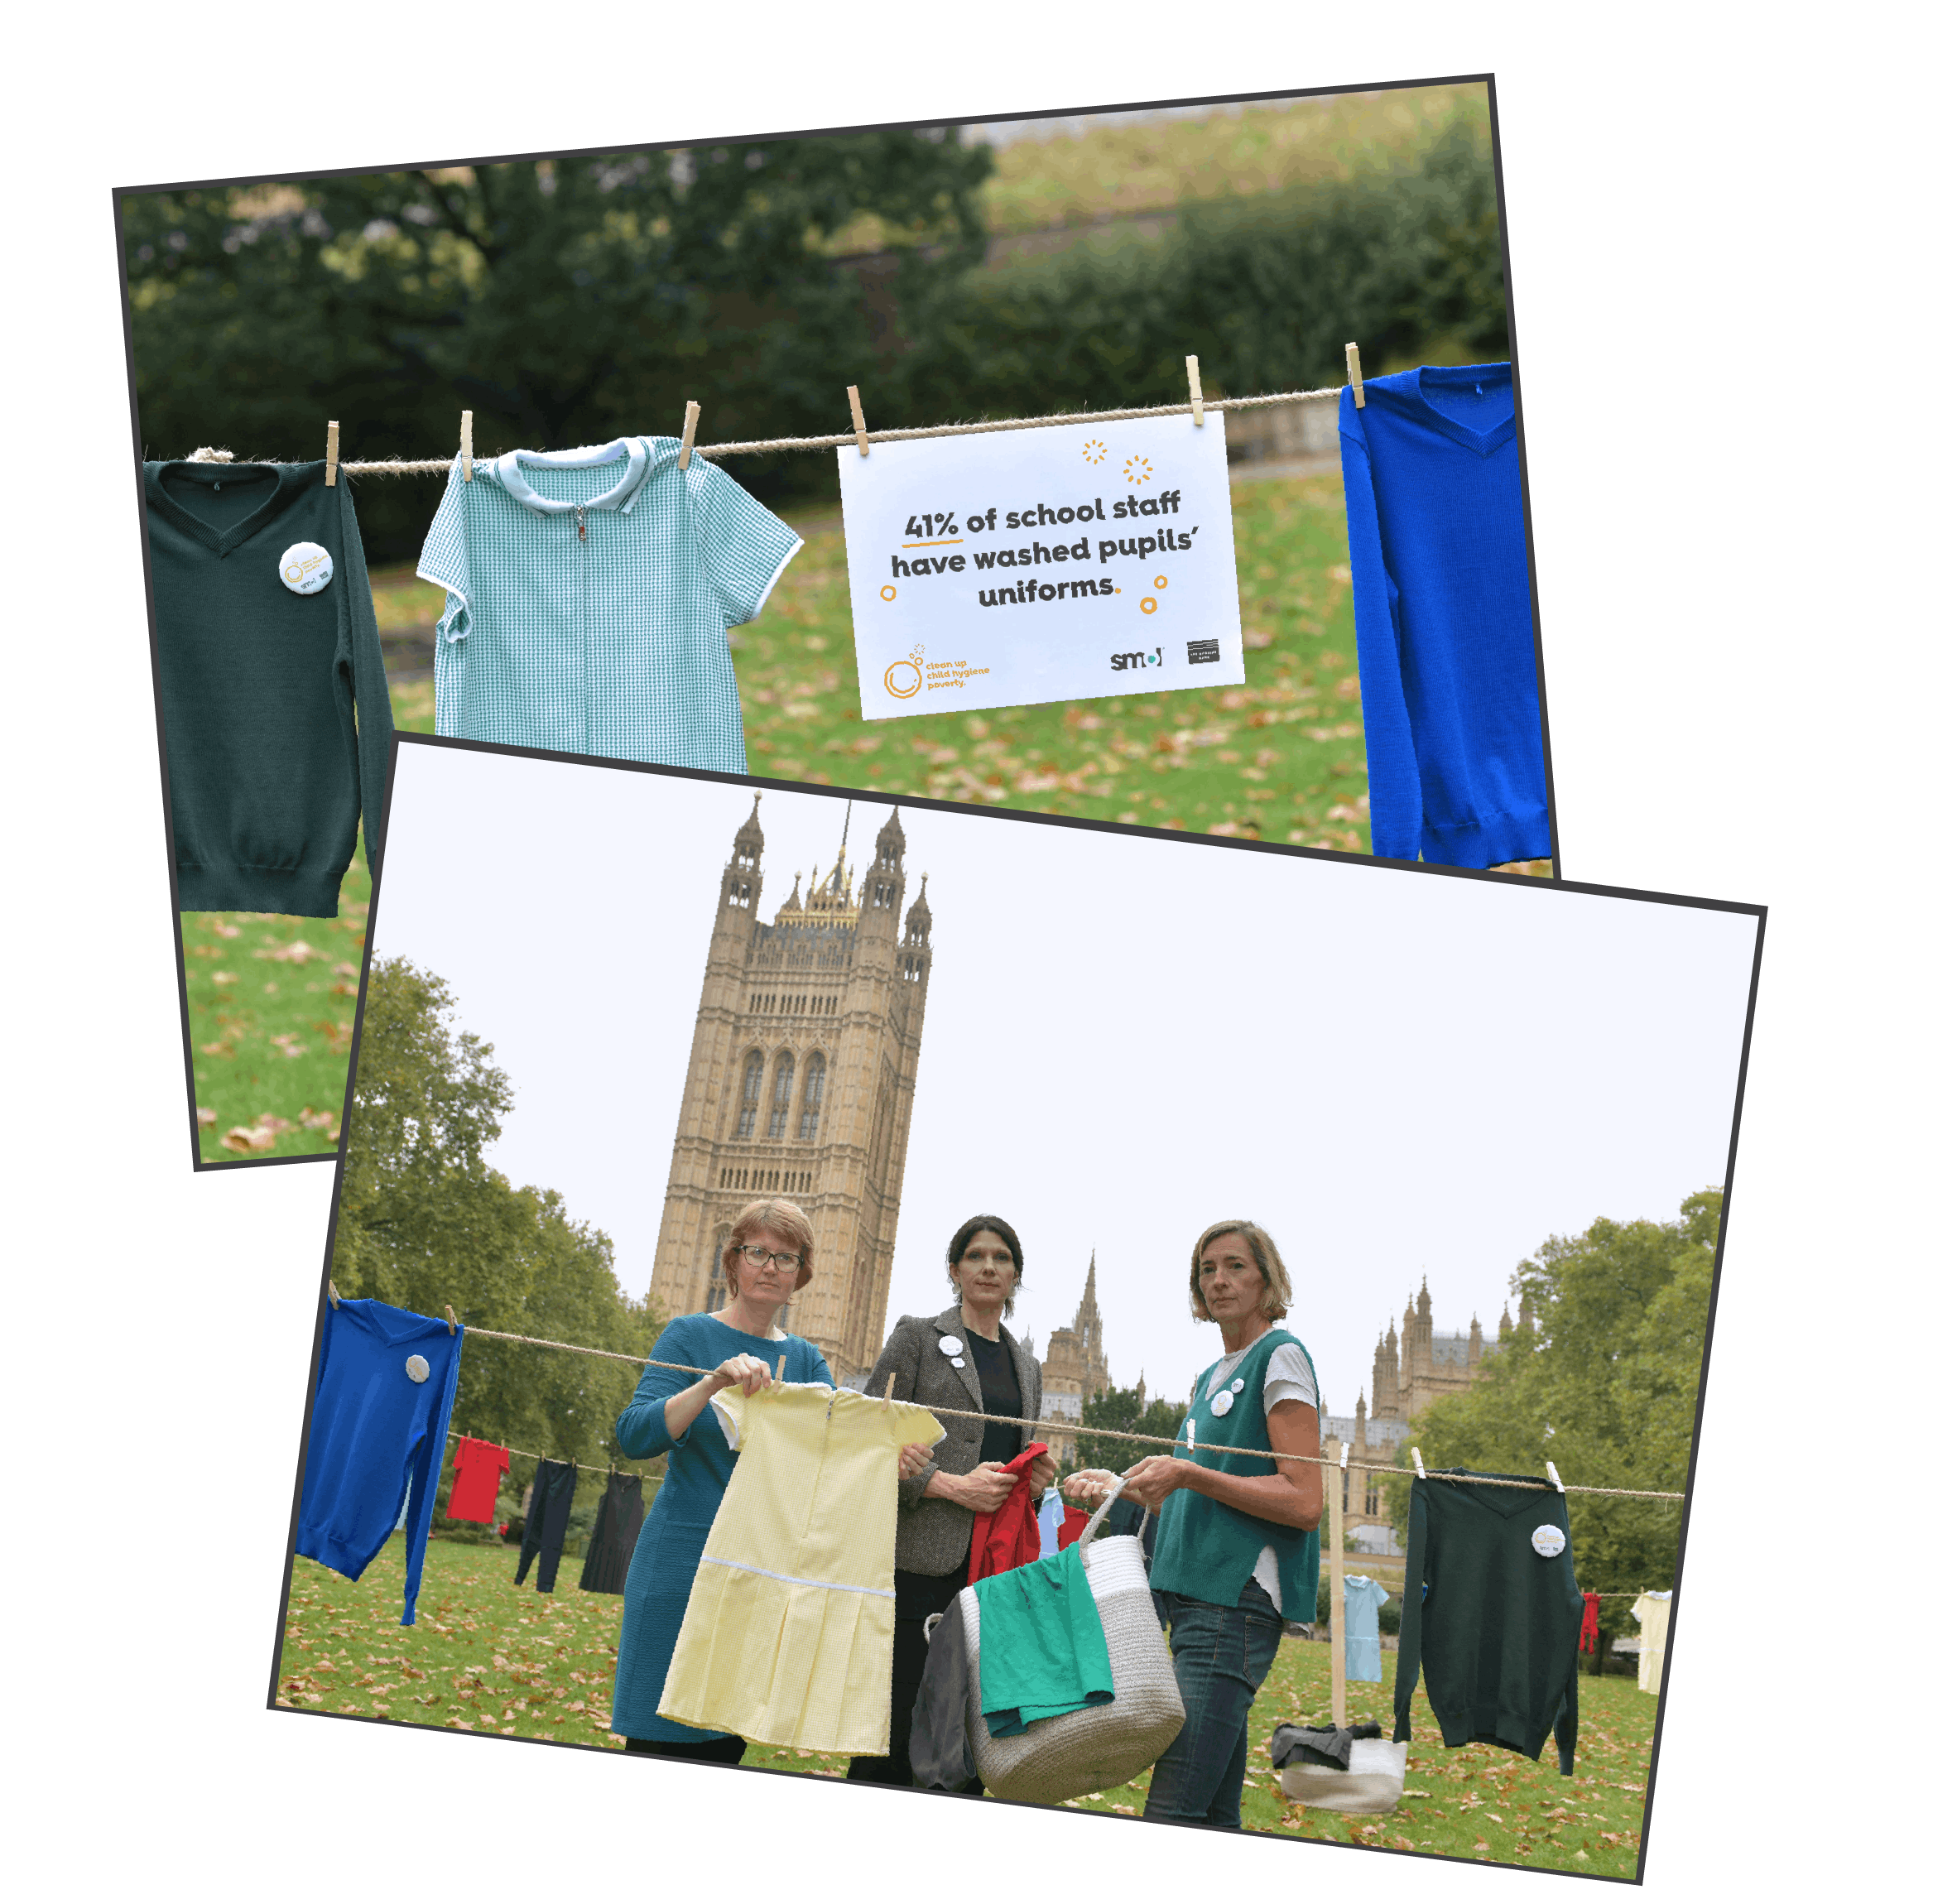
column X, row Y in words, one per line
column 758, row 1254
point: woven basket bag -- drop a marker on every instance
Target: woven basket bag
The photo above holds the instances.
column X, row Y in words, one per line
column 1101, row 1746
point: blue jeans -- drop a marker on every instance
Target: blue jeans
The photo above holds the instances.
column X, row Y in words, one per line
column 1222, row 1655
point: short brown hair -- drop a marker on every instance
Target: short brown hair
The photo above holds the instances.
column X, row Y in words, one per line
column 1268, row 1258
column 785, row 1220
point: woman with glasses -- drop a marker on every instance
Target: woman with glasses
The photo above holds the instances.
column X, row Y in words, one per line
column 964, row 1357
column 768, row 1260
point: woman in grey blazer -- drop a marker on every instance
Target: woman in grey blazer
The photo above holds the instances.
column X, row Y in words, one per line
column 963, row 1357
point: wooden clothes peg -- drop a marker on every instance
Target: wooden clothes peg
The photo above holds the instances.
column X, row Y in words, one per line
column 1355, row 364
column 890, row 1380
column 328, row 470
column 779, row 1374
column 464, row 449
column 859, row 418
column 450, row 1316
column 1417, row 1456
column 690, row 431
column 1551, row 1469
column 1195, row 390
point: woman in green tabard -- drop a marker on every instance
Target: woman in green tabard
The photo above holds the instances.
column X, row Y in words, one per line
column 1236, row 1553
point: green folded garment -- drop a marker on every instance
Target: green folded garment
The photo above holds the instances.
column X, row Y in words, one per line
column 1042, row 1652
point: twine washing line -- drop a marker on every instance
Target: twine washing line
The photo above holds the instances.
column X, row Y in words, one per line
column 440, row 466
column 1065, row 1427
column 456, row 1434
column 452, row 1434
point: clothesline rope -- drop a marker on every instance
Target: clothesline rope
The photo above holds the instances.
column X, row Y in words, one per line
column 1065, row 1427
column 771, row 445
column 453, row 1435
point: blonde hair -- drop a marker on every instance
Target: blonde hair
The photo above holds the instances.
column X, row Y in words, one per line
column 1267, row 1259
column 786, row 1221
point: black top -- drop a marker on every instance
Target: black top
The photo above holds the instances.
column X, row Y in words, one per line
column 274, row 706
column 999, row 1395
column 1490, row 1616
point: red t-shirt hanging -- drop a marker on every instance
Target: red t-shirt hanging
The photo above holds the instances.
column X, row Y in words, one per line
column 1073, row 1522
column 1010, row 1536
column 1587, row 1634
column 478, row 1472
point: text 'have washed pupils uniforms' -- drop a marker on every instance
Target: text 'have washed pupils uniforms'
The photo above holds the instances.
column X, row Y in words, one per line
column 587, row 597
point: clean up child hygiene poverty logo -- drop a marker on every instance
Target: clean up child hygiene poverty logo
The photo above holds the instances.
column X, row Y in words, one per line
column 902, row 678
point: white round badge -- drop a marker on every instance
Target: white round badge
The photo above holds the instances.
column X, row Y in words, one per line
column 306, row 567
column 1548, row 1541
column 951, row 1345
column 416, row 1369
column 1235, row 1386
column 960, row 1362
column 1222, row 1403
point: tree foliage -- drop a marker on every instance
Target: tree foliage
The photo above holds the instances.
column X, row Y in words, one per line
column 426, row 1221
column 1119, row 1408
column 1603, row 1379
column 565, row 301
column 572, row 300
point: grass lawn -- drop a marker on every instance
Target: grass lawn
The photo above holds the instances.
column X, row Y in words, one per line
column 271, row 999
column 272, row 1003
column 487, row 1656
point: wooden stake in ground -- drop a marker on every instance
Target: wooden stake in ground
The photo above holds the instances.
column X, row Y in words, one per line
column 1337, row 1594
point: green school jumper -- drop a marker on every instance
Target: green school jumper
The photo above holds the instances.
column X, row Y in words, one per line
column 274, row 711
column 1208, row 1551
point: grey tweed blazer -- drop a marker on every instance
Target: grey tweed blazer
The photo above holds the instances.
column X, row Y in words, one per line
column 935, row 1536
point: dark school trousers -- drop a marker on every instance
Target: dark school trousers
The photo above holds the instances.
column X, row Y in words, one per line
column 549, row 1518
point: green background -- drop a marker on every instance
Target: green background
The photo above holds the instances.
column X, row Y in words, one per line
column 1711, row 323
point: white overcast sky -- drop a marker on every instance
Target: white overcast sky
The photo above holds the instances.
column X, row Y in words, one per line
column 1126, row 1039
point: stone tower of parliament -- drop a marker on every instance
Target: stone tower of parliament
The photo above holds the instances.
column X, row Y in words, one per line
column 1411, row 1369
column 1074, row 1369
column 800, row 1086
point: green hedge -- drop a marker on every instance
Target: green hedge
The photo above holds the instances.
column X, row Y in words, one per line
column 1266, row 290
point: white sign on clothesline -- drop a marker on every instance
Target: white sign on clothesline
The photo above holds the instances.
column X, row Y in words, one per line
column 1060, row 564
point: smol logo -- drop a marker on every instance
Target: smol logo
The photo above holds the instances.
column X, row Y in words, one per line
column 1152, row 659
column 903, row 678
column 306, row 567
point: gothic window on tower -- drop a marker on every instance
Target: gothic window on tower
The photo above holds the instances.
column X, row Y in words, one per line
column 782, row 1094
column 808, row 1097
column 719, row 1293
column 748, row 1104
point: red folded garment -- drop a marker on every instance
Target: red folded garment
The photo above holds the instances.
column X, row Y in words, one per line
column 1587, row 1634
column 478, row 1472
column 1071, row 1524
column 1010, row 1536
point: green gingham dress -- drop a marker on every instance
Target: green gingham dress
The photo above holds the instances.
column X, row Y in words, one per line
column 587, row 596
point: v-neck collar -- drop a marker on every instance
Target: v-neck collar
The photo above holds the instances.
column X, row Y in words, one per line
column 222, row 541
column 1409, row 395
column 1507, row 1503
column 620, row 496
